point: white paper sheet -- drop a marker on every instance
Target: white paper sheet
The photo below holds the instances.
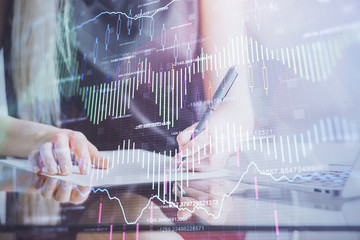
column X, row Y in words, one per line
column 127, row 167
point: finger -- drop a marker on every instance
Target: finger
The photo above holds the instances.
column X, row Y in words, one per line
column 47, row 157
column 99, row 161
column 173, row 188
column 191, row 206
column 79, row 194
column 209, row 163
column 35, row 161
column 197, row 156
column 79, row 145
column 185, row 210
column 214, row 186
column 35, row 182
column 177, row 188
column 196, row 194
column 94, row 153
column 48, row 188
column 196, row 144
column 186, row 134
column 198, row 151
column 205, row 192
column 62, row 154
column 63, row 192
column 204, row 165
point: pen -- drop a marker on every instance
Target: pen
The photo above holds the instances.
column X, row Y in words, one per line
column 217, row 99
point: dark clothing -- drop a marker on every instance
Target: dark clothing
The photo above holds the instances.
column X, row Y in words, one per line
column 120, row 53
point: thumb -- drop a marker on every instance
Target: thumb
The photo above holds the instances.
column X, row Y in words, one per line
column 185, row 136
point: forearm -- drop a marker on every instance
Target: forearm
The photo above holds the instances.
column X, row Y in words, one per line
column 238, row 106
column 19, row 137
column 218, row 31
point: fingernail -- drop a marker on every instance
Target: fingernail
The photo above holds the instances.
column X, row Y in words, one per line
column 36, row 169
column 66, row 170
column 85, row 169
column 184, row 215
column 52, row 170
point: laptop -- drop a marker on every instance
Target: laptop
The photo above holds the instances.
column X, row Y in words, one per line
column 340, row 179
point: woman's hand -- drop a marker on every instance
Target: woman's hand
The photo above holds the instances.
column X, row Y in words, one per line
column 222, row 136
column 206, row 199
column 202, row 152
column 60, row 191
column 57, row 156
column 49, row 149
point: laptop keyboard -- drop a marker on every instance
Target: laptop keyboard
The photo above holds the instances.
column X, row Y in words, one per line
column 329, row 179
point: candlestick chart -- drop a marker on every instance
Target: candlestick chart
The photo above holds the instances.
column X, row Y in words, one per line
column 145, row 71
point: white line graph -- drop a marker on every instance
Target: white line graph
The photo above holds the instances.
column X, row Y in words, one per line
column 197, row 207
column 136, row 17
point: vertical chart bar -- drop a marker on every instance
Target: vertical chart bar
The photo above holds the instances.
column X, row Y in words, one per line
column 156, row 88
column 168, row 103
column 99, row 105
column 289, row 148
column 256, row 188
column 110, row 101
column 282, row 149
column 124, row 96
column 89, row 110
column 177, row 95
column 296, row 148
column 100, row 208
column 275, row 149
column 137, row 232
column 164, row 108
column 276, row 222
column 160, row 84
column 96, row 101
column 117, row 101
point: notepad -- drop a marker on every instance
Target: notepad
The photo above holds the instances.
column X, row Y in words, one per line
column 127, row 167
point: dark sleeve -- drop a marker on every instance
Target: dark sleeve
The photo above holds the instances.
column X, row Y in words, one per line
column 4, row 10
column 6, row 14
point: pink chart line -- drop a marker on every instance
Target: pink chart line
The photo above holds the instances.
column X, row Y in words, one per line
column 276, row 222
column 256, row 188
column 111, row 230
column 137, row 231
column 100, row 207
column 151, row 211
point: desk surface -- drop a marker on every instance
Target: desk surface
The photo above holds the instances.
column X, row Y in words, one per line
column 42, row 207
